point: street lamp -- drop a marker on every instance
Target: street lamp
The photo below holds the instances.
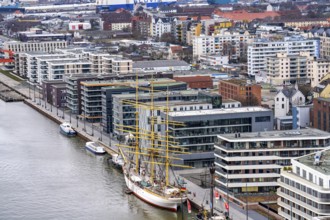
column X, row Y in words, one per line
column 39, row 96
column 34, row 93
column 63, row 112
column 247, row 202
column 29, row 90
column 212, row 171
column 101, row 132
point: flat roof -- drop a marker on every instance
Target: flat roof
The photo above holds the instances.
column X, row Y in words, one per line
column 60, row 85
column 323, row 167
column 158, row 94
column 179, row 103
column 126, row 82
column 69, row 61
column 301, row 134
column 219, row 111
column 230, row 101
column 159, row 63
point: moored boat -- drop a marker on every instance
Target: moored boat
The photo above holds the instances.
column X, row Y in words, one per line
column 148, row 158
column 95, row 147
column 117, row 160
column 66, row 129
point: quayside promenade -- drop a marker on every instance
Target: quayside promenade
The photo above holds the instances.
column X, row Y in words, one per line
column 198, row 196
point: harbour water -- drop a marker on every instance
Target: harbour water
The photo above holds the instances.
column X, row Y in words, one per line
column 45, row 175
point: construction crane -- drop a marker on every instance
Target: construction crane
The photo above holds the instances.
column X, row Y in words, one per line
column 6, row 56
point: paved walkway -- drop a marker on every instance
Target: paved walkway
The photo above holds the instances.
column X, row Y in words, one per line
column 202, row 197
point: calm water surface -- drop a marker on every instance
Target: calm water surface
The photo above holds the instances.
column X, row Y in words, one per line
column 45, row 175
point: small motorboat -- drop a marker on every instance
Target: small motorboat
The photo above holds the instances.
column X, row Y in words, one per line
column 118, row 160
column 95, row 147
column 66, row 129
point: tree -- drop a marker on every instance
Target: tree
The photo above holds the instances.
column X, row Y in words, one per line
column 167, row 37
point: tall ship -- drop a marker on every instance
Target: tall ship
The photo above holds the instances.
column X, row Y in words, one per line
column 148, row 156
column 113, row 5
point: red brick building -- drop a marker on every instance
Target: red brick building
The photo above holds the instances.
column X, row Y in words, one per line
column 321, row 114
column 196, row 82
column 248, row 94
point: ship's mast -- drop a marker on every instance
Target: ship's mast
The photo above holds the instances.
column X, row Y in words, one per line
column 137, row 124
column 167, row 141
column 152, row 129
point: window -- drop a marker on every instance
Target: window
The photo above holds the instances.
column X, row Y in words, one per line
column 262, row 119
column 282, row 106
column 310, row 177
column 320, row 182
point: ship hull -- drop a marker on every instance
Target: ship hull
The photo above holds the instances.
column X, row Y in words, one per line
column 68, row 133
column 93, row 151
column 130, row 6
column 153, row 199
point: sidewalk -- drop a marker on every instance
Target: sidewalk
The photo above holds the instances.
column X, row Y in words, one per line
column 202, row 197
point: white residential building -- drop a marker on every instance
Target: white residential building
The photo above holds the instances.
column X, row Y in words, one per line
column 318, row 68
column 116, row 65
column 58, row 68
column 285, row 99
column 95, row 57
column 214, row 60
column 302, row 68
column 304, row 191
column 324, row 35
column 228, row 43
column 159, row 26
column 260, row 50
column 252, row 161
column 76, row 26
column 161, row 66
column 44, row 46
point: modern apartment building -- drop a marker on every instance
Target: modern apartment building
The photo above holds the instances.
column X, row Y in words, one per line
column 324, row 35
column 95, row 57
column 44, row 46
column 304, row 191
column 123, row 113
column 201, row 128
column 58, row 68
column 252, row 161
column 73, row 82
column 116, row 65
column 284, row 69
column 91, row 93
column 261, row 49
column 161, row 66
column 39, row 35
column 231, row 44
